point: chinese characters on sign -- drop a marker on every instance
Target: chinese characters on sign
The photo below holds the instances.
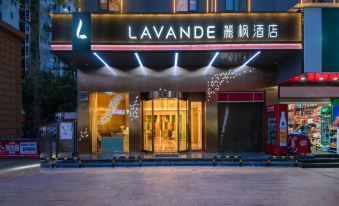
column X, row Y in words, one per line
column 229, row 32
column 244, row 31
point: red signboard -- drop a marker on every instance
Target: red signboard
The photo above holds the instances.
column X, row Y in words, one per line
column 241, row 97
column 19, row 148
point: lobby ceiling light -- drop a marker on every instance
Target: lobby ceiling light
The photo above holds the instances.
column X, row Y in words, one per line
column 176, row 59
column 138, row 58
column 213, row 59
column 97, row 55
column 248, row 61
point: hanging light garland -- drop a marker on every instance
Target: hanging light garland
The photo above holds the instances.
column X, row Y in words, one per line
column 217, row 80
column 83, row 134
column 112, row 106
column 134, row 109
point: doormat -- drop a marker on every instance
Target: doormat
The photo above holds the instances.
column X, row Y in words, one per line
column 166, row 155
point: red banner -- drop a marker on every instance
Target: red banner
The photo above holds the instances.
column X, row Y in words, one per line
column 19, row 148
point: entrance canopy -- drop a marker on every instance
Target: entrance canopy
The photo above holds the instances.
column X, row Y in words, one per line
column 189, row 60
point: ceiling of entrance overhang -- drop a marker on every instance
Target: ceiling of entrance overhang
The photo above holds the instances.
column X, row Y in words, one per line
column 158, row 60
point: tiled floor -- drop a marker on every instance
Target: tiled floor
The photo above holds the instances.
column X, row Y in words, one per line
column 172, row 186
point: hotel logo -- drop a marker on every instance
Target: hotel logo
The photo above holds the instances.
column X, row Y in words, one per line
column 80, row 36
column 81, row 32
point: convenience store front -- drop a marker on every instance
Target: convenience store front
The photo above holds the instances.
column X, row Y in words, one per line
column 313, row 110
column 169, row 82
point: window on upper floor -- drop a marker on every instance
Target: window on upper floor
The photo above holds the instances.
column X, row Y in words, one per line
column 186, row 5
column 103, row 5
column 235, row 5
column 182, row 5
column 193, row 5
column 319, row 1
column 110, row 5
column 114, row 5
column 0, row 9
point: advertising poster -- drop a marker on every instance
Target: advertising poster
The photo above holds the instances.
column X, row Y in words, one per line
column 283, row 129
column 28, row 148
column 10, row 148
column 66, row 130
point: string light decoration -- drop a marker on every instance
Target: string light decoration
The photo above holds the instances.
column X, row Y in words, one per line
column 112, row 106
column 217, row 80
column 134, row 109
column 109, row 93
column 84, row 134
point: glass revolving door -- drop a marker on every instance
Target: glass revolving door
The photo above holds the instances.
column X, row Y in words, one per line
column 164, row 124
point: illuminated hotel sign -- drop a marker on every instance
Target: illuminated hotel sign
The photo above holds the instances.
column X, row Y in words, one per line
column 196, row 28
column 175, row 29
column 230, row 31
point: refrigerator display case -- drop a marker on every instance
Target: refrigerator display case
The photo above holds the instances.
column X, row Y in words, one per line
column 276, row 129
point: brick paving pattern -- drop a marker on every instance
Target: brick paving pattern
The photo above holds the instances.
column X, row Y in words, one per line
column 172, row 186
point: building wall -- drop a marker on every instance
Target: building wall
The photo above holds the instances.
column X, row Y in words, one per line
column 166, row 6
column 10, row 13
column 10, row 81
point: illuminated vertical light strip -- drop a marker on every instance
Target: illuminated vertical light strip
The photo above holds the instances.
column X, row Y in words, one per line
column 215, row 6
column 249, row 5
column 250, row 59
column 213, row 59
column 207, row 2
column 176, row 59
column 102, row 61
column 138, row 58
column 121, row 6
column 174, row 6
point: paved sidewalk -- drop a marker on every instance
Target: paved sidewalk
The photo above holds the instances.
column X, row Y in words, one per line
column 173, row 186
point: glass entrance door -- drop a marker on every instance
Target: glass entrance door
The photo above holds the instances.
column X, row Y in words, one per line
column 148, row 125
column 167, row 123
column 165, row 113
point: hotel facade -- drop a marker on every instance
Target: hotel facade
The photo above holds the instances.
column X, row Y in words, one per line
column 195, row 75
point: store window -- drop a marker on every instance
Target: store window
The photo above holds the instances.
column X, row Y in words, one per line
column 314, row 120
column 109, row 122
column 196, row 125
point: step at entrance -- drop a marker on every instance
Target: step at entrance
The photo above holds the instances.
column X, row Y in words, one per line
column 320, row 161
column 166, row 155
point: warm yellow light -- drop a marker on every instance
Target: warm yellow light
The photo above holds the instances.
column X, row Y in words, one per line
column 249, row 5
column 174, row 6
column 121, row 6
column 215, row 6
column 207, row 1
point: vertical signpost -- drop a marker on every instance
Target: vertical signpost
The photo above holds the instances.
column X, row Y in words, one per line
column 66, row 133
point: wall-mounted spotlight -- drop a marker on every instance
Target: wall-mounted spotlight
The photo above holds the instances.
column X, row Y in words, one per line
column 138, row 58
column 213, row 59
column 97, row 55
column 250, row 59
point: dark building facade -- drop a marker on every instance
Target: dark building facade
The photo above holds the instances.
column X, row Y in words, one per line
column 10, row 84
column 173, row 76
